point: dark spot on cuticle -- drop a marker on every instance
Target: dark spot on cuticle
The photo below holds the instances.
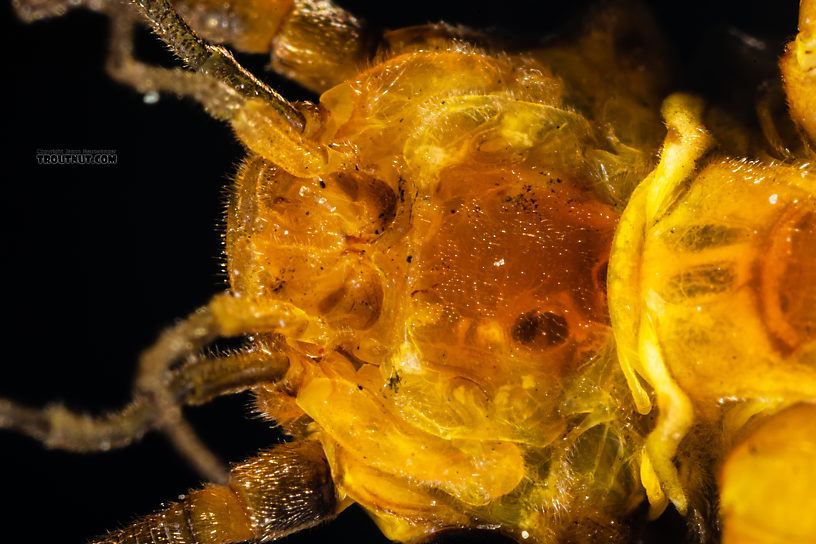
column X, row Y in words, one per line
column 543, row 329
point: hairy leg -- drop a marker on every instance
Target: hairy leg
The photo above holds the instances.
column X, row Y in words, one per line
column 161, row 390
column 283, row 490
column 798, row 68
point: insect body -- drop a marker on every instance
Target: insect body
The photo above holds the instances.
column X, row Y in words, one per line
column 422, row 262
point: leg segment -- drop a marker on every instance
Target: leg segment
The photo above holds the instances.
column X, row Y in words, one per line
column 57, row 427
column 215, row 62
column 159, row 393
column 639, row 350
column 282, row 491
column 124, row 68
column 798, row 68
column 314, row 42
column 34, row 10
column 218, row 82
column 779, row 131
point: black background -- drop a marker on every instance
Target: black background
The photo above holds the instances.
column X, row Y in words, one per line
column 96, row 260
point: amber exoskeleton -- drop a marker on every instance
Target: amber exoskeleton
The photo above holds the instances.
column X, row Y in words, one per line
column 423, row 262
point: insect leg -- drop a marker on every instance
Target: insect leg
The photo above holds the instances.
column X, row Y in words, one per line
column 224, row 316
column 639, row 350
column 204, row 379
column 283, row 490
column 779, row 132
column 767, row 482
column 237, row 315
column 34, row 10
column 212, row 60
column 314, row 42
column 219, row 83
column 124, row 68
column 261, row 118
column 57, row 427
column 798, row 68
column 157, row 397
